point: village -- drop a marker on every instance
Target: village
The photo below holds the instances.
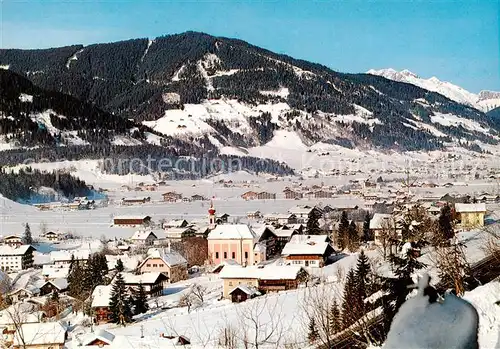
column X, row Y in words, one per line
column 64, row 290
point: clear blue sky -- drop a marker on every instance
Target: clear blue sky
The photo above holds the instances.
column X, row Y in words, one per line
column 455, row 40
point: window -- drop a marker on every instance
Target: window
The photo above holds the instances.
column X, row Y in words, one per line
column 155, row 265
column 246, row 255
column 233, row 255
column 230, row 283
column 216, row 254
column 148, row 265
column 225, row 255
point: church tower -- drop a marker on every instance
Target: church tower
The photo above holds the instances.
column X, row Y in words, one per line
column 211, row 216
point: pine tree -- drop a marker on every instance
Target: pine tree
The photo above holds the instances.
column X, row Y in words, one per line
column 335, row 320
column 140, row 301
column 352, row 237
column 343, row 231
column 312, row 226
column 363, row 274
column 76, row 281
column 446, row 224
column 367, row 235
column 313, row 334
column 119, row 305
column 349, row 300
column 55, row 296
column 119, row 266
column 27, row 237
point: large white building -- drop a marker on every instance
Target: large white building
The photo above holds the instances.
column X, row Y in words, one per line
column 16, row 258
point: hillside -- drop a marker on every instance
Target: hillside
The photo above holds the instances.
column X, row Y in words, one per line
column 193, row 86
column 41, row 125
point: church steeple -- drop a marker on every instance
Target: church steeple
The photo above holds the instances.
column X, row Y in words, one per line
column 211, row 216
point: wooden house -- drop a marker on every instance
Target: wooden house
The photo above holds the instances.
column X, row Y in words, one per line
column 131, row 221
column 249, row 195
column 171, row 196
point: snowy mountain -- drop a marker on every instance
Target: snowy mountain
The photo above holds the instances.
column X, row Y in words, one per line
column 484, row 101
column 231, row 96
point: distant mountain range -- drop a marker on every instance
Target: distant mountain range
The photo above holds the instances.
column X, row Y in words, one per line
column 217, row 93
column 484, row 101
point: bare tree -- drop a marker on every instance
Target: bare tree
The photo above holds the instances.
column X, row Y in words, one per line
column 188, row 300
column 452, row 263
column 387, row 236
column 228, row 338
column 261, row 323
column 199, row 292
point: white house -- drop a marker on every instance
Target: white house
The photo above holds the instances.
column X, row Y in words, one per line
column 144, row 238
column 63, row 257
column 16, row 258
column 12, row 240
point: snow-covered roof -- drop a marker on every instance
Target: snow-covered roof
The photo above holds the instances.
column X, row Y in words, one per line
column 146, row 278
column 269, row 272
column 249, row 290
column 101, row 335
column 301, row 210
column 306, row 245
column 101, row 296
column 479, row 207
column 232, row 231
column 14, row 251
column 60, row 283
column 170, row 258
column 177, row 223
column 55, row 271
column 22, row 312
column 284, row 232
column 65, row 255
column 15, row 237
column 40, row 334
column 131, row 217
column 143, row 235
column 381, row 220
column 259, row 247
column 129, row 262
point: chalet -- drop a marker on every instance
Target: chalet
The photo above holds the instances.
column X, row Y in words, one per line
column 46, row 335
column 179, row 233
column 135, row 201
column 169, row 263
column 64, row 257
column 302, row 212
column 52, row 236
column 307, row 250
column 101, row 297
column 254, row 214
column 269, row 239
column 266, row 196
column 470, row 215
column 153, row 282
column 323, row 194
column 131, row 221
column 197, row 197
column 12, row 316
column 263, row 278
column 12, row 241
column 291, row 194
column 17, row 258
column 104, row 339
column 286, row 218
column 22, row 293
column 249, row 195
column 176, row 223
column 59, row 285
column 243, row 292
column 171, row 196
column 144, row 238
column 223, row 218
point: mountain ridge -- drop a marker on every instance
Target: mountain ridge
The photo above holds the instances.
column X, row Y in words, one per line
column 484, row 101
column 193, row 85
